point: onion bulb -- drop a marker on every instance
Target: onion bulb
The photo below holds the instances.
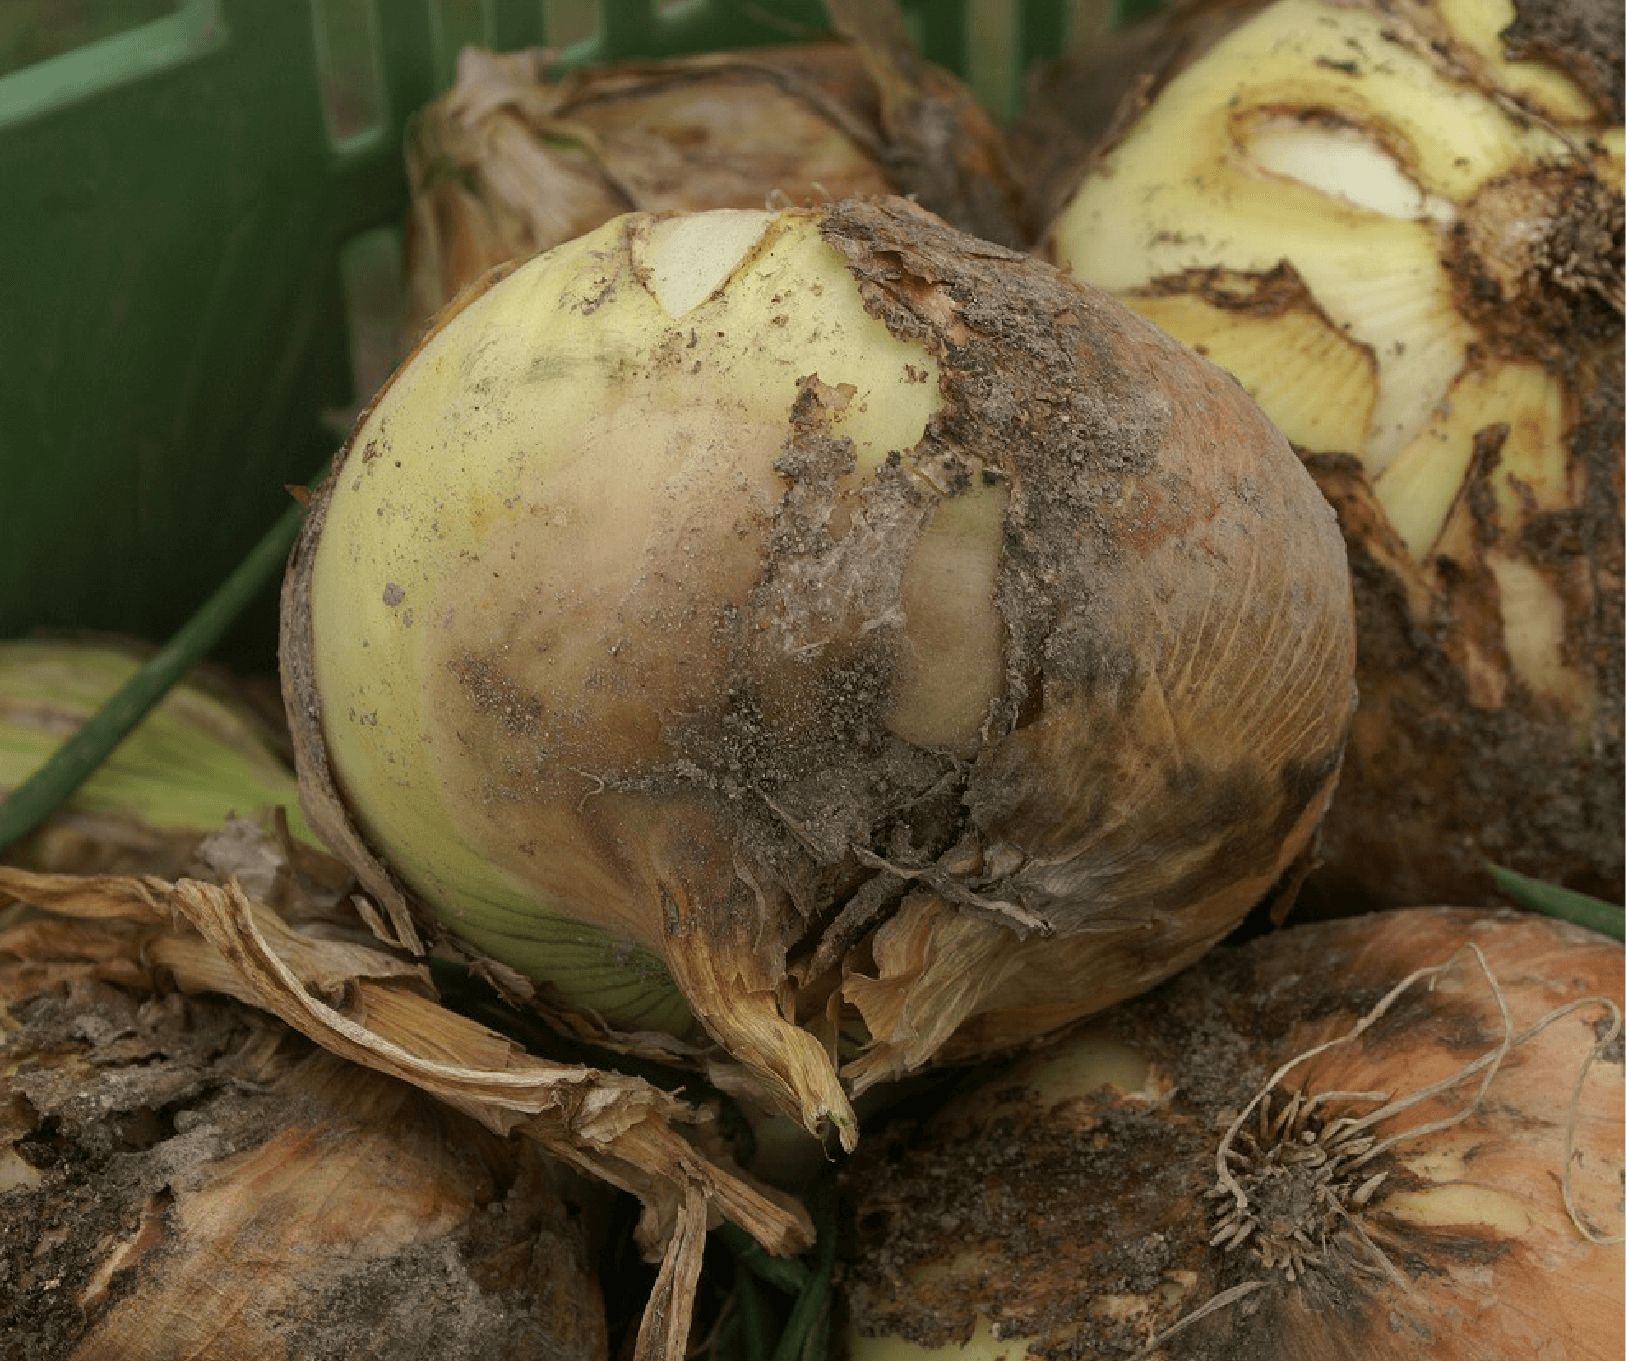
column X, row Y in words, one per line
column 180, row 1177
column 818, row 634
column 509, row 162
column 1374, row 1139
column 1400, row 226
column 200, row 757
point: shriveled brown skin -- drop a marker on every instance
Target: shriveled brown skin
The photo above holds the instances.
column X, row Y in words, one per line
column 1063, row 1219
column 185, row 1177
column 1453, row 764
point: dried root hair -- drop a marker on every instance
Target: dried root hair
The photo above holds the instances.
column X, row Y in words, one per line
column 1346, row 1144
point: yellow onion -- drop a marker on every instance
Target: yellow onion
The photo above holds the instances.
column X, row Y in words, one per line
column 181, row 1177
column 1400, row 226
column 1377, row 1139
column 819, row 631
column 200, row 757
column 509, row 162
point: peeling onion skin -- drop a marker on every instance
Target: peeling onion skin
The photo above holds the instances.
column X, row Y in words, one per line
column 1400, row 225
column 1058, row 1208
column 875, row 631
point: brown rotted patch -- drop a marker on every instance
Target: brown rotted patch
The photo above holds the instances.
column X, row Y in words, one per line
column 1550, row 295
column 1073, row 1203
column 1267, row 293
column 163, row 1136
column 97, row 1097
column 1582, row 38
column 1075, row 400
column 1040, row 1214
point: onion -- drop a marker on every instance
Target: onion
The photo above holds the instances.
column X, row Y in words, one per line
column 1383, row 1137
column 508, row 162
column 1400, row 226
column 181, row 1177
column 820, row 631
column 200, row 757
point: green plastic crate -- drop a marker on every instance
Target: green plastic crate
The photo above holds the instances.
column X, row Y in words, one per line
column 199, row 225
column 202, row 279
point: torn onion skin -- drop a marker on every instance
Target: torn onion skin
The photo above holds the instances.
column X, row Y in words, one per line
column 1399, row 225
column 820, row 635
column 1067, row 1205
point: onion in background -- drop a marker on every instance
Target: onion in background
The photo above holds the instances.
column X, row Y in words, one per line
column 201, row 757
column 509, row 162
column 1290, row 1151
column 187, row 1177
column 1400, row 225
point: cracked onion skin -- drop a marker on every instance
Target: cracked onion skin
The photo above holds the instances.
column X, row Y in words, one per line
column 818, row 635
column 1063, row 1206
column 1399, row 223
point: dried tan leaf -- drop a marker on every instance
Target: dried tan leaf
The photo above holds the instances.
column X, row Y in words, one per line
column 371, row 1007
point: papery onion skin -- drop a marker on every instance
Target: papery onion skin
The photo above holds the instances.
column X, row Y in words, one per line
column 1400, row 226
column 509, row 162
column 184, row 1177
column 1061, row 1207
column 855, row 620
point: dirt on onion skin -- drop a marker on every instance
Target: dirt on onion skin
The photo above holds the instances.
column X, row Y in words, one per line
column 1159, row 728
column 152, row 1149
column 1070, row 1223
column 1106, row 527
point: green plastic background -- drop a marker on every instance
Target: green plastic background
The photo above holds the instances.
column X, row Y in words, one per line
column 190, row 198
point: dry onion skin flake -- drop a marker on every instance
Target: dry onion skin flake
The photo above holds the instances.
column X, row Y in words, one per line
column 1383, row 1137
column 818, row 634
column 1400, row 226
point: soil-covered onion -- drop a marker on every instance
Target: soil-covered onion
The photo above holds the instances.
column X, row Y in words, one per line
column 1400, row 225
column 185, row 1177
column 823, row 631
column 1399, row 1193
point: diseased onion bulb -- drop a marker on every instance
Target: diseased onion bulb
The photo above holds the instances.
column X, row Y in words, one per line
column 1376, row 1139
column 819, row 631
column 1400, row 226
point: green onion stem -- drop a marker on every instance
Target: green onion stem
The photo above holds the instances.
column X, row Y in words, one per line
column 804, row 1330
column 1535, row 895
column 789, row 1274
column 54, row 783
column 753, row 1315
